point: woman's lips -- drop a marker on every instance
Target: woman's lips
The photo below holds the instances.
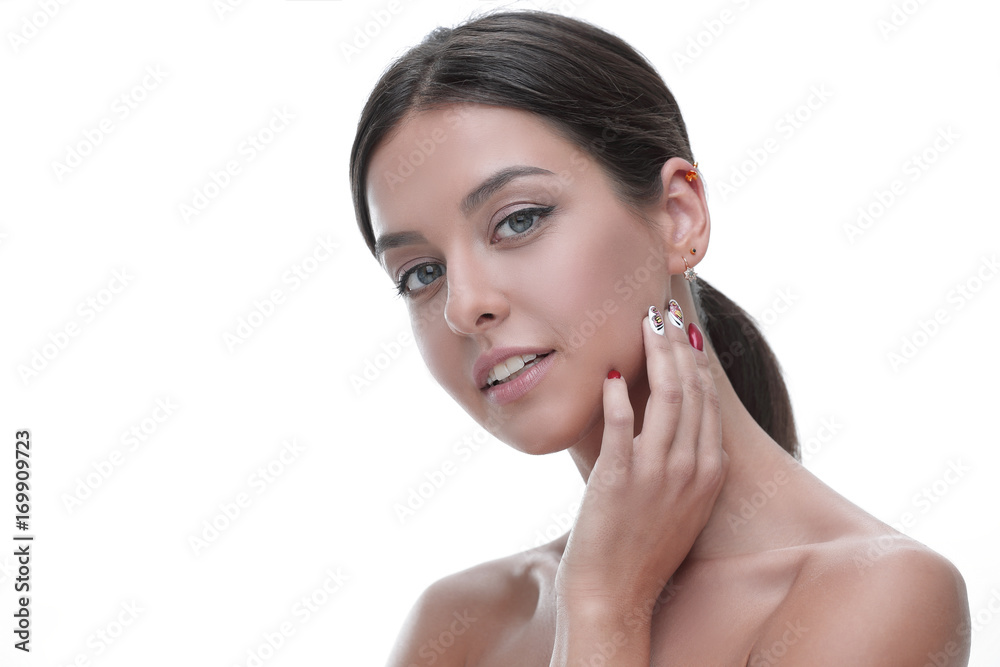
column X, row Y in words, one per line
column 485, row 363
column 525, row 365
column 511, row 390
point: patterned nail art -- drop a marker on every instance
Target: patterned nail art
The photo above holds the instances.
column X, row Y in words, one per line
column 656, row 320
column 676, row 316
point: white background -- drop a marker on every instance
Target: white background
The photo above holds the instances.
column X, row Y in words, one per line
column 364, row 448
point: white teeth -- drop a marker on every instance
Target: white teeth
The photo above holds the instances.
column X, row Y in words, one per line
column 514, row 364
column 505, row 369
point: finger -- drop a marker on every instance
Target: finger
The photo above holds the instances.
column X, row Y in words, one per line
column 710, row 435
column 686, row 436
column 619, row 424
column 662, row 411
column 675, row 404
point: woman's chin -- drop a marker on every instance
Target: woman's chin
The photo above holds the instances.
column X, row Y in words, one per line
column 551, row 436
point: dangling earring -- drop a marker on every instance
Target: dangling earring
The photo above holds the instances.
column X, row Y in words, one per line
column 692, row 174
column 689, row 274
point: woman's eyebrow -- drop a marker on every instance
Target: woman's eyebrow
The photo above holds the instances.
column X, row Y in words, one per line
column 472, row 201
column 489, row 187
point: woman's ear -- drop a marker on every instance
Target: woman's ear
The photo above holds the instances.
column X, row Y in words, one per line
column 681, row 213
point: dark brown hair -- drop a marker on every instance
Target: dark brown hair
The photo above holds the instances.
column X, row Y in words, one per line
column 603, row 96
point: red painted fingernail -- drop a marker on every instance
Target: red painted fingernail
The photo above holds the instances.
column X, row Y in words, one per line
column 694, row 335
column 614, row 375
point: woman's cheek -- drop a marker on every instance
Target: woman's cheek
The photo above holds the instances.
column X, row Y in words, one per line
column 429, row 328
column 433, row 350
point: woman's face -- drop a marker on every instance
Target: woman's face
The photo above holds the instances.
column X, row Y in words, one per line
column 546, row 259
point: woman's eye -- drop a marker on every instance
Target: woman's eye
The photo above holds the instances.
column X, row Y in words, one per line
column 521, row 223
column 419, row 277
column 523, row 220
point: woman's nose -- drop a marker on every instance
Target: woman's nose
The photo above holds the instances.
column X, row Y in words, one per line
column 475, row 301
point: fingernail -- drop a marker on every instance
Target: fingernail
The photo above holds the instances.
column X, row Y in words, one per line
column 656, row 320
column 614, row 375
column 676, row 316
column 694, row 335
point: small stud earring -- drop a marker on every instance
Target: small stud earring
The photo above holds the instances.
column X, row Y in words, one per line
column 692, row 174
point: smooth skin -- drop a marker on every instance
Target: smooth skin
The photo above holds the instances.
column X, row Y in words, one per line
column 699, row 540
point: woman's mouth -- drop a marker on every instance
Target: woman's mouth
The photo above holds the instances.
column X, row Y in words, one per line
column 515, row 383
column 512, row 368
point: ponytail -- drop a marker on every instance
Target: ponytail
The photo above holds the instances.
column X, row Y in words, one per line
column 749, row 363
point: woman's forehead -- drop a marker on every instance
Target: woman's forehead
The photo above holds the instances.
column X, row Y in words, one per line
column 441, row 154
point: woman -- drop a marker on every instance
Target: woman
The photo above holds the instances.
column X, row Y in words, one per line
column 527, row 181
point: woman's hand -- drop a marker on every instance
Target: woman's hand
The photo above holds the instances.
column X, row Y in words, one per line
column 648, row 497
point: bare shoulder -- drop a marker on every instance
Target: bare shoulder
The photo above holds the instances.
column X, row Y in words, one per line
column 461, row 613
column 884, row 599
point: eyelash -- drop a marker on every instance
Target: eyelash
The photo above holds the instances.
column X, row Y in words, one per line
column 542, row 212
